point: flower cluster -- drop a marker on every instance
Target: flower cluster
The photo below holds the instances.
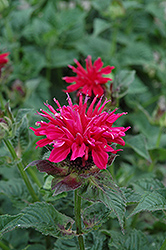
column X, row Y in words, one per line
column 78, row 133
column 90, row 80
column 3, row 60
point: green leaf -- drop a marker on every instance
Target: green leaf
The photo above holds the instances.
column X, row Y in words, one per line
column 64, row 244
column 163, row 247
column 122, row 82
column 41, row 216
column 16, row 190
column 138, row 144
column 150, row 201
column 131, row 195
column 93, row 46
column 136, row 240
column 102, row 188
column 95, row 240
column 21, row 138
column 100, row 25
column 94, row 215
column 147, row 184
column 62, row 57
column 21, row 113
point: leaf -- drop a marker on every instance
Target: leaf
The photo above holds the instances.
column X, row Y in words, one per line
column 122, row 82
column 41, row 216
column 21, row 138
column 95, row 240
column 163, row 247
column 135, row 240
column 94, row 215
column 66, row 244
column 131, row 195
column 147, row 184
column 62, row 57
column 21, row 113
column 101, row 188
column 150, row 201
column 66, row 183
column 93, row 46
column 100, row 25
column 138, row 144
column 16, row 190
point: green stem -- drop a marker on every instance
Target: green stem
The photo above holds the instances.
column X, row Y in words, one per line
column 21, row 169
column 34, row 177
column 159, row 137
column 3, row 246
column 1, row 101
column 77, row 208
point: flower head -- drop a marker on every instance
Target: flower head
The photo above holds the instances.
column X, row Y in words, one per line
column 90, row 80
column 3, row 60
column 80, row 135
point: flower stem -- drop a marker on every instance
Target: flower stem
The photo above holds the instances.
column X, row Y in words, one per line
column 3, row 246
column 21, row 169
column 77, row 208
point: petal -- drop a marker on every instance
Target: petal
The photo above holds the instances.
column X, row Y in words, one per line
column 43, row 142
column 77, row 150
column 98, row 64
column 98, row 90
column 59, row 154
column 107, row 70
column 100, row 158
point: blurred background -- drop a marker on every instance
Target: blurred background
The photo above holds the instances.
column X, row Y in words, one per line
column 44, row 36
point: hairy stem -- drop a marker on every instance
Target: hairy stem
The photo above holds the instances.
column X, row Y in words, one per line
column 77, row 208
column 21, row 169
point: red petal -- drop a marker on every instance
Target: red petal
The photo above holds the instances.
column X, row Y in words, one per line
column 77, row 150
column 98, row 64
column 59, row 154
column 107, row 70
column 100, row 158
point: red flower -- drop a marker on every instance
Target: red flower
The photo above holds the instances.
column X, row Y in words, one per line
column 3, row 60
column 89, row 80
column 84, row 136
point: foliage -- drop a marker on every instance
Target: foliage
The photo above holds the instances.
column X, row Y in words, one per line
column 126, row 211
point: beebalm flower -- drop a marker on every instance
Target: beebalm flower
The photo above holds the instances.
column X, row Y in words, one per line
column 80, row 136
column 3, row 60
column 90, row 80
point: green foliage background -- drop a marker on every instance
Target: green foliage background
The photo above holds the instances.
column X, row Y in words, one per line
column 43, row 37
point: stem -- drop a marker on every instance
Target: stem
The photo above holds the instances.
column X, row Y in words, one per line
column 77, row 208
column 159, row 137
column 34, row 177
column 3, row 246
column 1, row 101
column 21, row 169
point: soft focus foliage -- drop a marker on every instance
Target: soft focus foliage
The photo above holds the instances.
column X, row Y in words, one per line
column 42, row 38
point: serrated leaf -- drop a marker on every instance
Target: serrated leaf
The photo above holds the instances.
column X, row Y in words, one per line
column 94, row 215
column 93, row 46
column 135, row 240
column 100, row 25
column 150, row 201
column 62, row 57
column 131, row 195
column 122, row 82
column 138, row 144
column 64, row 244
column 147, row 184
column 103, row 189
column 16, row 190
column 21, row 113
column 95, row 240
column 21, row 138
column 41, row 216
